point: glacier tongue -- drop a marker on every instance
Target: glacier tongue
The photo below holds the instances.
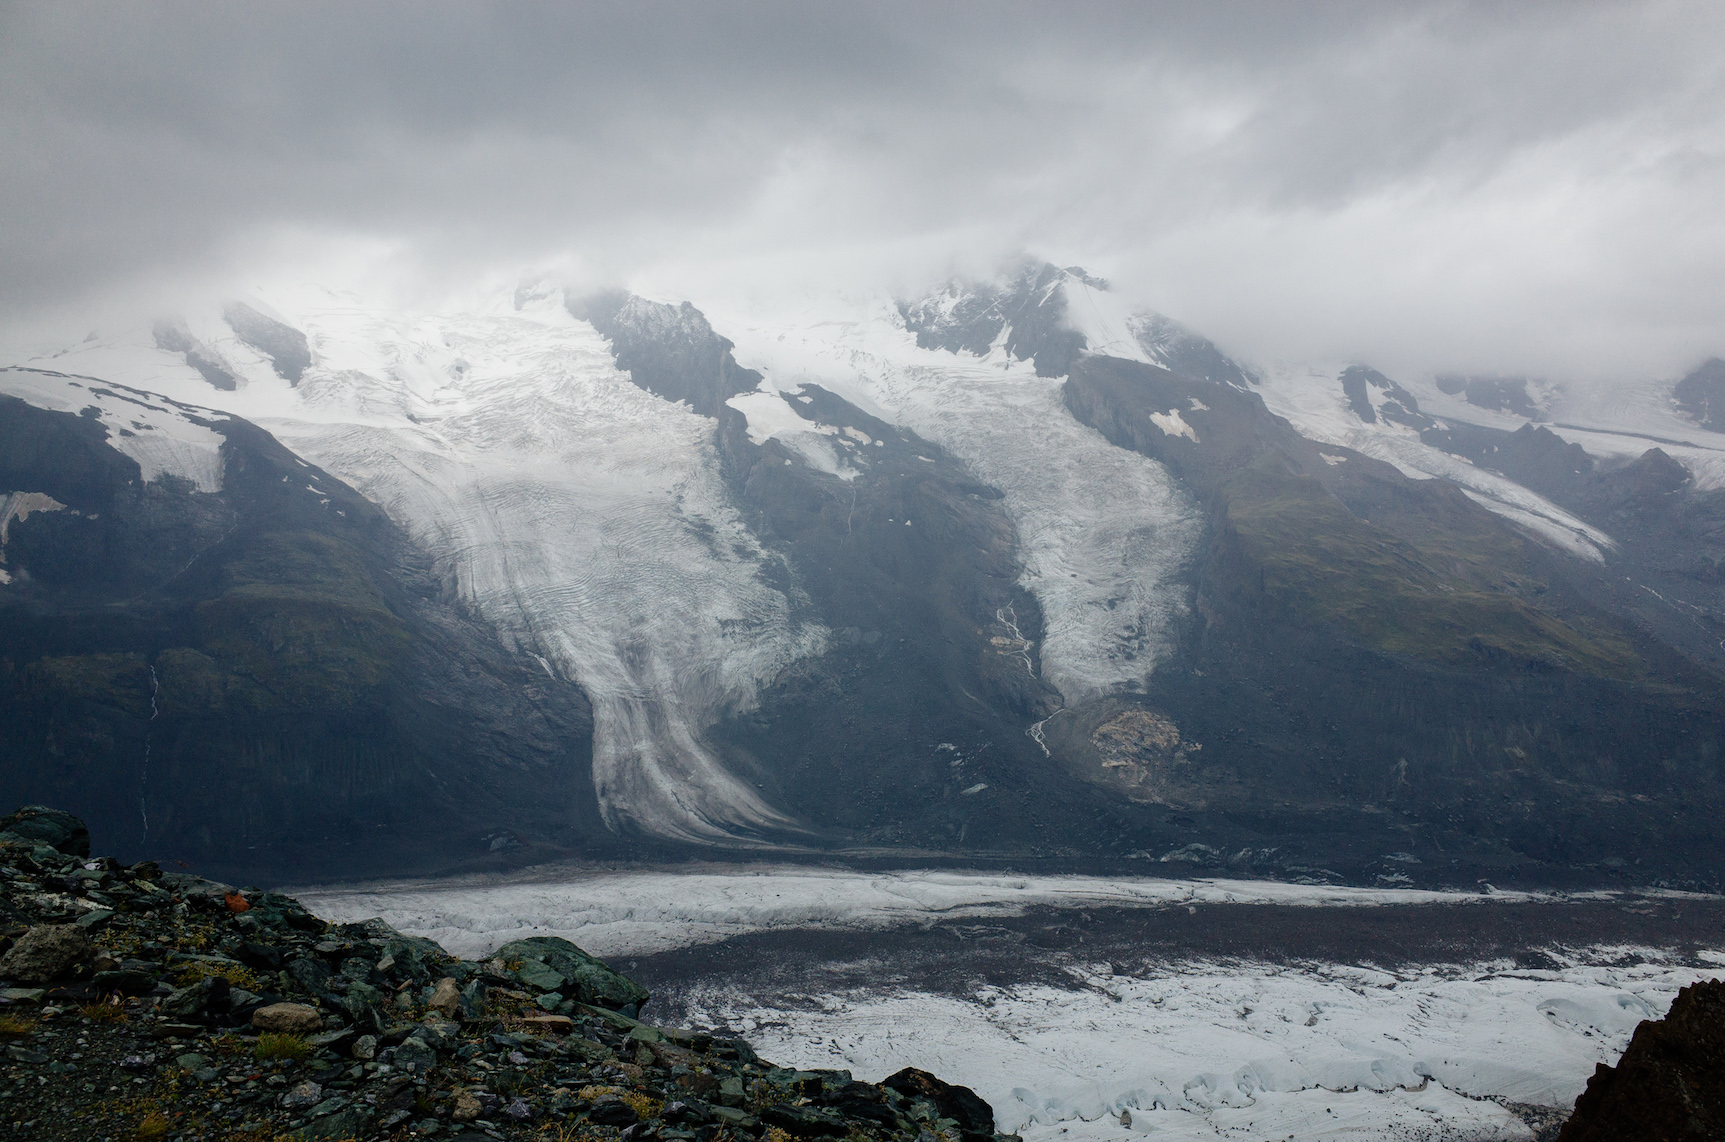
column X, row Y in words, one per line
column 586, row 519
column 1104, row 532
column 583, row 516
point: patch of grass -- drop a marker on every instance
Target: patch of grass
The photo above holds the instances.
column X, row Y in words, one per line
column 198, row 970
column 13, row 1027
column 154, row 1127
column 276, row 1045
column 1305, row 553
column 643, row 1105
column 103, row 1012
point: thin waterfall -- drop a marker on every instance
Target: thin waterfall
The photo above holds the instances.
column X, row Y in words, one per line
column 144, row 776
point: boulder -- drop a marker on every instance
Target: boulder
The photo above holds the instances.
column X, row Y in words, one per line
column 40, row 825
column 45, row 952
column 288, row 1019
column 958, row 1103
column 415, row 1057
column 446, row 997
column 591, row 980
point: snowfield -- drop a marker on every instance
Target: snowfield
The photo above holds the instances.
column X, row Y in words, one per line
column 1311, row 399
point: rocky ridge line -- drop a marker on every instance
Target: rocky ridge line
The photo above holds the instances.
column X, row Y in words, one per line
column 142, row 1004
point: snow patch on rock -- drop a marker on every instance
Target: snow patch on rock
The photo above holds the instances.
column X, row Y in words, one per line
column 164, row 437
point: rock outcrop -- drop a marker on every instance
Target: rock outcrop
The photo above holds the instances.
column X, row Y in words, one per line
column 1669, row 1085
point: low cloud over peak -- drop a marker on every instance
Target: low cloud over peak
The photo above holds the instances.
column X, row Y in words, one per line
column 1433, row 187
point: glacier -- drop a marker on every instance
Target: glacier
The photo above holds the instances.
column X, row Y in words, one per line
column 1182, row 1046
column 1104, row 534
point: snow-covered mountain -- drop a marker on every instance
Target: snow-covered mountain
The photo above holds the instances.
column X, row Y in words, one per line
column 973, row 569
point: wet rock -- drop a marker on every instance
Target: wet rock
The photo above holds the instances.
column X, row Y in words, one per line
column 472, row 999
column 415, row 1056
column 124, row 982
column 353, row 1122
column 805, row 1121
column 205, row 995
column 609, row 1110
column 46, row 952
column 288, row 1019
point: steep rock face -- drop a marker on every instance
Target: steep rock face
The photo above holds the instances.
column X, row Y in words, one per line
column 670, row 350
column 1028, row 309
column 1374, row 395
column 1669, row 1084
column 284, row 345
column 1050, row 316
column 261, row 675
column 1384, row 650
column 1506, row 394
column 1701, row 395
column 909, row 729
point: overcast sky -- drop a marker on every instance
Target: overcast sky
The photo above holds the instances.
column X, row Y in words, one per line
column 1501, row 186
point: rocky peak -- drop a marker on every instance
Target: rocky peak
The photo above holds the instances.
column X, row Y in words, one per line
column 670, row 350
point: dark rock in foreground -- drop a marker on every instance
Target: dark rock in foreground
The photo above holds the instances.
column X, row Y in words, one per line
column 1670, row 1083
column 168, row 1006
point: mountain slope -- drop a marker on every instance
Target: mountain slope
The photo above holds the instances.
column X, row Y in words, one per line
column 236, row 657
column 1382, row 648
column 1015, row 571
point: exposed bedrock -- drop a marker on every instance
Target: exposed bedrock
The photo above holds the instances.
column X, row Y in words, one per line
column 1375, row 653
column 911, row 727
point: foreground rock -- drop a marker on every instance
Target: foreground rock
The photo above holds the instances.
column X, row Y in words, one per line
column 177, row 1008
column 1670, row 1083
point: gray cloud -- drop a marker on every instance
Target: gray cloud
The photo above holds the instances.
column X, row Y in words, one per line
column 1528, row 187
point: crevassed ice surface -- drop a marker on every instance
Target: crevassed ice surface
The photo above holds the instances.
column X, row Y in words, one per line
column 584, row 517
column 1202, row 1050
column 1104, row 533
